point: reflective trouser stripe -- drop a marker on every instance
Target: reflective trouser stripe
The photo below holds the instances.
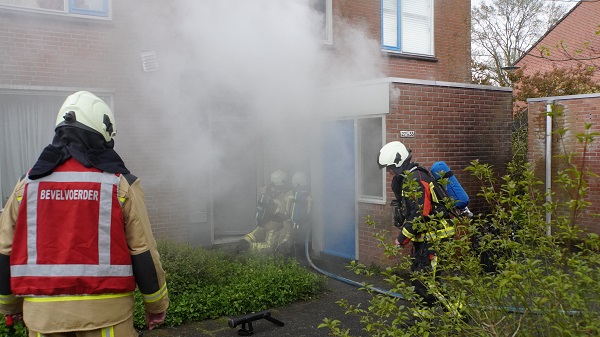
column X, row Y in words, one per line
column 108, row 332
column 105, row 332
column 453, row 308
column 250, row 237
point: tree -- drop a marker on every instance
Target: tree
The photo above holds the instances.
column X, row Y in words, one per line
column 503, row 30
column 573, row 50
column 556, row 82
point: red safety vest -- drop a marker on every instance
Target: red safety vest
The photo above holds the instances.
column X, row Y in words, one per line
column 70, row 237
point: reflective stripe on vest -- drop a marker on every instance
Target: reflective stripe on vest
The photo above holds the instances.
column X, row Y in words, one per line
column 47, row 299
column 87, row 198
column 446, row 232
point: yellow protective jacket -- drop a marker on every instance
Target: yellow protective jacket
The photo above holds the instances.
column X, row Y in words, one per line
column 51, row 314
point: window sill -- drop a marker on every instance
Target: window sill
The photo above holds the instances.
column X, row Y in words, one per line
column 41, row 13
column 374, row 201
column 428, row 58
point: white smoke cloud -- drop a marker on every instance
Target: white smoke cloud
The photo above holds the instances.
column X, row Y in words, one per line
column 237, row 92
column 261, row 62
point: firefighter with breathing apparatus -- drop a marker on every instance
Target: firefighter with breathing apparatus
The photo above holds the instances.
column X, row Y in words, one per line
column 75, row 238
column 272, row 224
column 298, row 205
column 418, row 202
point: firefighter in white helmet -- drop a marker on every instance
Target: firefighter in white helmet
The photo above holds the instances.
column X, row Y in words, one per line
column 272, row 222
column 75, row 238
column 298, row 206
column 418, row 198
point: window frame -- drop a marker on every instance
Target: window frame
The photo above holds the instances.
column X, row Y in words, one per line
column 369, row 157
column 328, row 21
column 105, row 12
column 399, row 46
column 69, row 10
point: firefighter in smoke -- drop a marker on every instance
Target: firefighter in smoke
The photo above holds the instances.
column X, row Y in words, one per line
column 272, row 223
column 414, row 209
column 298, row 204
column 75, row 238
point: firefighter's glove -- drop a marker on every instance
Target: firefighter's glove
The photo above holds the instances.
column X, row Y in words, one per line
column 466, row 212
column 154, row 319
column 404, row 241
column 10, row 320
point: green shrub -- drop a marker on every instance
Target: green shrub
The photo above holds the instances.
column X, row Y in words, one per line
column 540, row 284
column 205, row 284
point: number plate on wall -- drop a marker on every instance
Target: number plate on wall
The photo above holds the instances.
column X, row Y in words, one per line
column 407, row 134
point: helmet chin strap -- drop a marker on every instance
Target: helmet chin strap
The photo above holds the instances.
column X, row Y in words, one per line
column 405, row 165
column 397, row 170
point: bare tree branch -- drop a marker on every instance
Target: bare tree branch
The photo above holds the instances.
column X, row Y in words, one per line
column 503, row 30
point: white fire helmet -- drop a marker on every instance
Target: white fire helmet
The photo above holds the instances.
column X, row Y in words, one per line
column 299, row 179
column 279, row 178
column 393, row 154
column 86, row 111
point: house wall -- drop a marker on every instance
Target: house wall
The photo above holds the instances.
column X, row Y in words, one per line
column 46, row 54
column 65, row 54
column 576, row 110
column 577, row 31
column 452, row 40
column 453, row 123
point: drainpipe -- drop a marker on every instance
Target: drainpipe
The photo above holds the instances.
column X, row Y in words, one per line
column 548, row 163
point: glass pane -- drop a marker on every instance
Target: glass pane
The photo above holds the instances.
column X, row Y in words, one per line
column 92, row 5
column 320, row 6
column 416, row 27
column 36, row 4
column 370, row 131
column 390, row 23
column 416, row 35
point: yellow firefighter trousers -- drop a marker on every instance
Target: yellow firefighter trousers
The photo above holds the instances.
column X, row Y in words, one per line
column 124, row 329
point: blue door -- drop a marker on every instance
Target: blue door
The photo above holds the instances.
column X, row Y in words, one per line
column 339, row 196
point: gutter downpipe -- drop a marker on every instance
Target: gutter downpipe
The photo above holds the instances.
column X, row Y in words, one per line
column 548, row 164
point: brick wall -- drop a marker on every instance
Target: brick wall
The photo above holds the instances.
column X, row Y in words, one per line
column 59, row 53
column 453, row 124
column 575, row 31
column 452, row 43
column 577, row 111
column 44, row 50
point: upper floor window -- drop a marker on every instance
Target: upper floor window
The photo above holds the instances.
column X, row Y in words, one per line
column 407, row 26
column 83, row 8
column 324, row 9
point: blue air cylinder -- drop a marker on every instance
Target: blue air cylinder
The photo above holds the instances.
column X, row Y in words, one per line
column 441, row 170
